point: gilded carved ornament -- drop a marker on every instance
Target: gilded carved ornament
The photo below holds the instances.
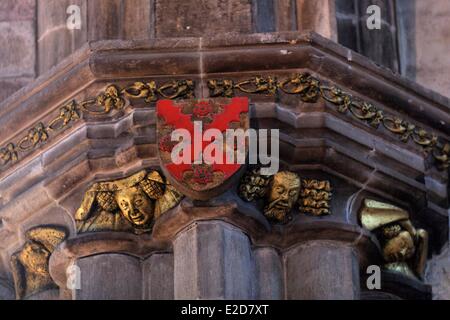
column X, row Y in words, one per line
column 282, row 191
column 404, row 248
column 30, row 265
column 308, row 88
column 130, row 204
column 113, row 98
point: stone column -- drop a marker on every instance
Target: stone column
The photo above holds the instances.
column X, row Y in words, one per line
column 269, row 273
column 318, row 16
column 213, row 260
column 321, row 269
column 158, row 277
column 110, row 277
column 54, row 40
column 431, row 41
column 100, row 20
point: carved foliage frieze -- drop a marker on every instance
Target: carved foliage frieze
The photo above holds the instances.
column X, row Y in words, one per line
column 307, row 88
column 310, row 89
column 112, row 98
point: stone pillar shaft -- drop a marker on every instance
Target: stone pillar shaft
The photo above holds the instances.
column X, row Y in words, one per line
column 321, row 270
column 213, row 260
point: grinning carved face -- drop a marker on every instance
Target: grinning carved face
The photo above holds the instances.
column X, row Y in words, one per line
column 283, row 194
column 136, row 206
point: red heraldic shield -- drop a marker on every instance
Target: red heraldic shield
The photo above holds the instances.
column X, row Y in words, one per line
column 205, row 170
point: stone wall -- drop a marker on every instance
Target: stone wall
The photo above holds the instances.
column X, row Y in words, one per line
column 438, row 275
column 378, row 45
column 38, row 36
column 38, row 39
column 433, row 45
column 17, row 45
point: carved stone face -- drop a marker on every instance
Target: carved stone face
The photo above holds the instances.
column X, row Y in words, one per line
column 34, row 257
column 135, row 205
column 283, row 194
column 400, row 248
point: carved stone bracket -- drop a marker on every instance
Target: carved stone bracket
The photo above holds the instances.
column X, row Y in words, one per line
column 281, row 191
column 404, row 248
column 30, row 265
column 128, row 204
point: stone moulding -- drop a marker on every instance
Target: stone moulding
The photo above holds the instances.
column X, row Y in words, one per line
column 111, row 99
column 307, row 88
column 310, row 89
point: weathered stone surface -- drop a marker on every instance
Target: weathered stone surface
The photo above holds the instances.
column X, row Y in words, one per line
column 213, row 260
column 406, row 33
column 6, row 291
column 103, row 19
column 9, row 86
column 55, row 40
column 318, row 16
column 347, row 30
column 432, row 44
column 18, row 56
column 110, row 277
column 202, row 17
column 158, row 277
column 138, row 20
column 269, row 273
column 438, row 275
column 52, row 15
column 379, row 44
column 321, row 270
column 345, row 7
column 54, row 215
column 46, row 295
column 15, row 10
column 29, row 202
column 286, row 15
column 264, row 15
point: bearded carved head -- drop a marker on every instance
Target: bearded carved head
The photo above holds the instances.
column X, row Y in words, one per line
column 282, row 195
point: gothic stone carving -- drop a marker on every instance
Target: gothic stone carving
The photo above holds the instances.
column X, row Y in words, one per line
column 130, row 204
column 308, row 88
column 315, row 197
column 113, row 98
column 404, row 248
column 281, row 191
column 30, row 264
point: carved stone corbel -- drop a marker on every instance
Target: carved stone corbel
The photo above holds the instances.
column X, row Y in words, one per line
column 30, row 264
